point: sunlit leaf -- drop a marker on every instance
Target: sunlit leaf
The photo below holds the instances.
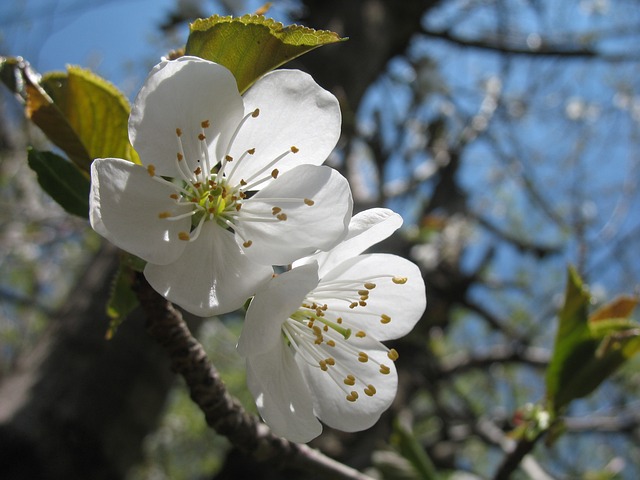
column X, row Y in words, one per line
column 587, row 349
column 96, row 111
column 82, row 114
column 62, row 180
column 251, row 45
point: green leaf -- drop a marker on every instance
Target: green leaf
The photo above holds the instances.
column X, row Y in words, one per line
column 573, row 343
column 96, row 111
column 587, row 349
column 408, row 446
column 252, row 45
column 62, row 180
column 122, row 300
column 82, row 114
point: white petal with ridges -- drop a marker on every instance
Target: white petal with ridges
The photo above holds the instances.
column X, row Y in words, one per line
column 124, row 205
column 330, row 398
column 365, row 230
column 403, row 304
column 181, row 94
column 306, row 228
column 282, row 396
column 294, row 112
column 273, row 304
column 213, row 276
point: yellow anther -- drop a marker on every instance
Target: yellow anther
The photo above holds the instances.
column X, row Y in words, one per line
column 369, row 285
column 251, row 151
column 384, row 369
column 275, row 210
column 331, row 343
column 363, row 293
column 324, row 307
column 180, row 157
column 238, row 207
column 255, row 113
column 281, row 216
column 151, row 169
column 399, row 280
column 164, row 214
column 361, row 334
column 178, row 132
column 242, row 182
column 317, row 330
column 228, row 158
column 198, row 171
column 274, row 173
column 362, row 303
column 197, row 184
column 370, row 390
column 385, row 318
column 363, row 357
column 330, row 361
column 184, row 236
column 323, row 365
column 325, row 328
column 339, row 320
column 294, row 149
column 353, row 396
column 201, row 136
column 350, row 380
column 353, row 305
column 393, row 354
column 247, row 244
column 205, row 124
column 175, row 196
column 309, row 202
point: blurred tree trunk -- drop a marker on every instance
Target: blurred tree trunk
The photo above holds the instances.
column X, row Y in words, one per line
column 78, row 406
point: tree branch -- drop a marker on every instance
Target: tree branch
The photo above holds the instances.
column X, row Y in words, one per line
column 224, row 413
column 545, row 50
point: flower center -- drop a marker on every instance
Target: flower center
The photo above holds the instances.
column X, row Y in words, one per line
column 326, row 337
column 207, row 192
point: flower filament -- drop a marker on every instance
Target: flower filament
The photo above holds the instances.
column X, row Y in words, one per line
column 207, row 193
column 320, row 334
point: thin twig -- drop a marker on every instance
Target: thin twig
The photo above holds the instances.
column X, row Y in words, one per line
column 223, row 412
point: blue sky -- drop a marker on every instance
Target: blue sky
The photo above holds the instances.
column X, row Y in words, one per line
column 115, row 38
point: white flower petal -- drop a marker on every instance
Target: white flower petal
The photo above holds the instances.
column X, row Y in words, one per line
column 307, row 228
column 365, row 229
column 402, row 304
column 273, row 304
column 282, row 396
column 294, row 111
column 124, row 205
column 212, row 276
column 329, row 392
column 182, row 94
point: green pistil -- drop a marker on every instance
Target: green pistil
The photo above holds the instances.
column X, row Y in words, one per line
column 306, row 315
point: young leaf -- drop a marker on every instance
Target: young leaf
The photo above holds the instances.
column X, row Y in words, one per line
column 588, row 349
column 96, row 111
column 252, row 45
column 573, row 343
column 82, row 114
column 62, row 180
